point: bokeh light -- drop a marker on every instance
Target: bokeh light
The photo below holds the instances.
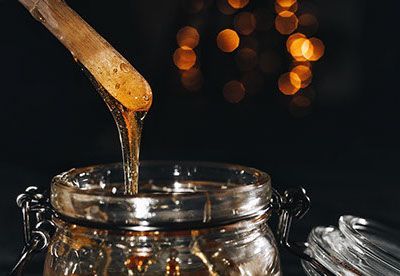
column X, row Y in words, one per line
column 228, row 40
column 187, row 38
column 234, row 91
column 318, row 49
column 238, row 4
column 256, row 55
column 286, row 3
column 301, row 49
column 246, row 59
column 184, row 59
column 245, row 23
column 192, row 79
column 225, row 8
column 292, row 8
column 308, row 24
column 286, row 22
column 304, row 73
column 289, row 83
column 293, row 38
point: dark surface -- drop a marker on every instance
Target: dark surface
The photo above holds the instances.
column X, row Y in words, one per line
column 345, row 153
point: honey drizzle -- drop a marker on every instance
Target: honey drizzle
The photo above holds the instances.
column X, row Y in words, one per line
column 125, row 91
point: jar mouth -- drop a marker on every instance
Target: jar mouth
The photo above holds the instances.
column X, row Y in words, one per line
column 172, row 195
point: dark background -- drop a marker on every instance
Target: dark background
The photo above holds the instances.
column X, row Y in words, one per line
column 345, row 152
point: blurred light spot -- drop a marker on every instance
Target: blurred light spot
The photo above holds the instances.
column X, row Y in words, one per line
column 264, row 19
column 308, row 24
column 193, row 6
column 234, row 91
column 245, row 23
column 304, row 73
column 228, row 40
column 184, row 59
column 192, row 79
column 318, row 49
column 301, row 49
column 286, row 22
column 187, row 38
column 253, row 82
column 246, row 59
column 292, row 38
column 292, row 8
column 286, row 3
column 289, row 83
column 238, row 4
column 270, row 62
column 225, row 8
column 300, row 106
column 307, row 49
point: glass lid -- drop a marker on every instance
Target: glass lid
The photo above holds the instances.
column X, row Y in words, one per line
column 172, row 195
column 357, row 247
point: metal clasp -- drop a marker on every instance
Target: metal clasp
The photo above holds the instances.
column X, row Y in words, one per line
column 38, row 227
column 292, row 206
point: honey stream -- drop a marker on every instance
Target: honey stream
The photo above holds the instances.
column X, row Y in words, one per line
column 126, row 93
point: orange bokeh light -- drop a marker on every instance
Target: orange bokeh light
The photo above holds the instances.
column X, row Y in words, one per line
column 301, row 49
column 318, row 49
column 192, row 79
column 304, row 73
column 234, row 91
column 228, row 40
column 292, row 8
column 245, row 23
column 289, row 83
column 286, row 22
column 238, row 4
column 188, row 38
column 286, row 3
column 292, row 38
column 184, row 59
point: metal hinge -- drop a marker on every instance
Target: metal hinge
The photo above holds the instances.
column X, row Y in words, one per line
column 292, row 206
column 38, row 227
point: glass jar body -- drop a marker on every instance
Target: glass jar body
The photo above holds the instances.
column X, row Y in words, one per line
column 246, row 247
column 190, row 218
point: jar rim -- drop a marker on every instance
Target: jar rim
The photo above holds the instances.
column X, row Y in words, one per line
column 191, row 195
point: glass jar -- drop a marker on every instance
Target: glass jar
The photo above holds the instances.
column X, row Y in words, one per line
column 189, row 219
column 357, row 247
